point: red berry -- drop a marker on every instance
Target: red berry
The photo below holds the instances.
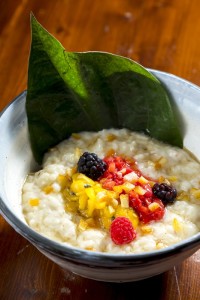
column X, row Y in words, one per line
column 122, row 231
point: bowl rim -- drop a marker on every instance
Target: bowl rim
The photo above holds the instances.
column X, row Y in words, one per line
column 87, row 257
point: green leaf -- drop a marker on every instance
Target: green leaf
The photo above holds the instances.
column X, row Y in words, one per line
column 72, row 92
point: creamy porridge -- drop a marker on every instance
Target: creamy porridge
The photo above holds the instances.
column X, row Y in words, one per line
column 69, row 207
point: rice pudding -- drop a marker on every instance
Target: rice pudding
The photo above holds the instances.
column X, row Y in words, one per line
column 69, row 207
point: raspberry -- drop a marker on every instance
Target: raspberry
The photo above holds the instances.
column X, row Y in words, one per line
column 122, row 231
column 165, row 192
column 91, row 165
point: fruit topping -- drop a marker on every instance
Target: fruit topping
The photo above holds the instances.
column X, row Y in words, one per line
column 122, row 231
column 148, row 209
column 165, row 192
column 114, row 195
column 91, row 165
column 118, row 171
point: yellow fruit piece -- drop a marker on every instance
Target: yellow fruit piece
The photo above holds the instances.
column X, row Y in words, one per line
column 124, row 199
column 100, row 205
column 183, row 196
column 159, row 245
column 89, row 195
column 172, row 178
column 47, row 189
column 139, row 190
column 106, row 217
column 151, row 183
column 195, row 193
column 127, row 187
column 160, row 163
column 111, row 210
column 128, row 213
column 91, row 207
column 83, row 177
column 83, row 201
column 34, row 201
column 153, row 206
column 63, row 181
column 101, row 195
column 161, row 179
column 118, row 188
column 71, row 206
column 82, row 224
column 69, row 195
column 91, row 222
column 177, row 225
column 77, row 186
column 131, row 177
column 146, row 229
column 142, row 180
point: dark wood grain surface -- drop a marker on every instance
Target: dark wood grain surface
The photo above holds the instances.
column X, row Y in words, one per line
column 159, row 34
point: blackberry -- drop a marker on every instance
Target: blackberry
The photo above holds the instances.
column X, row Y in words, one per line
column 91, row 165
column 166, row 193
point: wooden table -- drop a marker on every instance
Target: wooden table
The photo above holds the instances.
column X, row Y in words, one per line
column 159, row 34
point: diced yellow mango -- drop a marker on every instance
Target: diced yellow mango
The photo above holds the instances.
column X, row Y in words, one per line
column 68, row 195
column 48, row 189
column 160, row 163
column 172, row 178
column 161, row 179
column 183, row 196
column 100, row 205
column 34, row 201
column 142, row 180
column 106, row 215
column 146, row 229
column 82, row 224
column 128, row 213
column 91, row 222
column 63, row 181
column 118, row 188
column 83, row 201
column 127, row 187
column 124, row 199
column 91, row 207
column 153, row 206
column 131, row 177
column 177, row 225
column 72, row 206
column 139, row 190
column 90, row 193
column 111, row 210
column 77, row 186
column 80, row 176
column 195, row 193
column 159, row 245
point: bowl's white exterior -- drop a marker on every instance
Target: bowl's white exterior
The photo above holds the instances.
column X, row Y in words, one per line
column 16, row 161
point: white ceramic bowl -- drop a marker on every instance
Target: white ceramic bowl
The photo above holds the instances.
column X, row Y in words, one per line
column 16, row 161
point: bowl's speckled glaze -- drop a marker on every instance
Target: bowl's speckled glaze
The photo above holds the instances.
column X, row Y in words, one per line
column 16, row 161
